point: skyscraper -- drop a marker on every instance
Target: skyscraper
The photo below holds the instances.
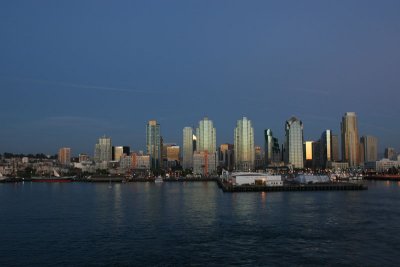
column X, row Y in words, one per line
column 326, row 148
column 308, row 153
column 153, row 143
column 294, row 142
column 370, row 148
column 64, row 155
column 272, row 149
column 205, row 157
column 244, row 145
column 350, row 143
column 103, row 150
column 187, row 153
column 206, row 136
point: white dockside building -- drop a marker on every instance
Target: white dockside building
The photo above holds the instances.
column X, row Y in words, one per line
column 241, row 178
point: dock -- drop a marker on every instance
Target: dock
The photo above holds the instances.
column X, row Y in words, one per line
column 226, row 187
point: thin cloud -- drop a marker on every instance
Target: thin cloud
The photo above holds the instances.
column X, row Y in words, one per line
column 83, row 86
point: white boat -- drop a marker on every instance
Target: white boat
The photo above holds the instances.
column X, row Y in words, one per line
column 159, row 179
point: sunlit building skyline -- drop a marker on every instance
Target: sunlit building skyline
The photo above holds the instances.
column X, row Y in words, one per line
column 244, row 145
column 350, row 141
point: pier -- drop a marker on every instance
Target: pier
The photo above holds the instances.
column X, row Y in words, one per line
column 226, row 187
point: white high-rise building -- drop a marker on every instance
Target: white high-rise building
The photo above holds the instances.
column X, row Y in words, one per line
column 204, row 159
column 244, row 145
column 294, row 143
column 103, row 150
column 206, row 136
column 187, row 155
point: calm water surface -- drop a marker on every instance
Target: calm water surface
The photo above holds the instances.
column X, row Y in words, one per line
column 145, row 224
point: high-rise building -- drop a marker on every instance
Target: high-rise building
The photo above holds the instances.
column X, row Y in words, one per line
column 272, row 149
column 103, row 150
column 350, row 143
column 308, row 153
column 64, row 156
column 119, row 151
column 226, row 156
column 390, row 153
column 204, row 159
column 206, row 136
column 369, row 147
column 335, row 147
column 294, row 143
column 187, row 152
column 244, row 145
column 153, row 143
column 326, row 148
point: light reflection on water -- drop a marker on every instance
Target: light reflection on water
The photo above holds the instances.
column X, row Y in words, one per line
column 196, row 223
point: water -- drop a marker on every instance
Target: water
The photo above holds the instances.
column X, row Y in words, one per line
column 169, row 224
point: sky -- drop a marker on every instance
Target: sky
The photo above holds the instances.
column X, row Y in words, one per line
column 72, row 71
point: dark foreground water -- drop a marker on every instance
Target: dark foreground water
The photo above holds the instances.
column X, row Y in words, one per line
column 142, row 224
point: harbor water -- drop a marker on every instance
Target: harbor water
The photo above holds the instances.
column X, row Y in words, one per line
column 195, row 223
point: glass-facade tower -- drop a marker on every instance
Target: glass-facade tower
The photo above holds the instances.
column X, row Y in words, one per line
column 244, row 145
column 326, row 148
column 153, row 143
column 206, row 136
column 294, row 142
column 103, row 150
column 272, row 149
column 187, row 155
column 350, row 141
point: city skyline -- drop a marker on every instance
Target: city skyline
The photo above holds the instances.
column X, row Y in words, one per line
column 64, row 81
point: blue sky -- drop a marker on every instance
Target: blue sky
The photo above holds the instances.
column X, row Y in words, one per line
column 71, row 71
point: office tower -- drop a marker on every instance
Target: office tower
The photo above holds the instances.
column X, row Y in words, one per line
column 153, row 143
column 308, row 154
column 325, row 148
column 272, row 149
column 317, row 162
column 188, row 148
column 226, row 156
column 370, row 148
column 103, row 150
column 335, row 147
column 64, row 156
column 390, row 153
column 119, row 151
column 294, row 142
column 170, row 155
column 205, row 158
column 244, row 145
column 350, row 143
column 206, row 136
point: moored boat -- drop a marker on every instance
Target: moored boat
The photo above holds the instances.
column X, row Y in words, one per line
column 56, row 178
